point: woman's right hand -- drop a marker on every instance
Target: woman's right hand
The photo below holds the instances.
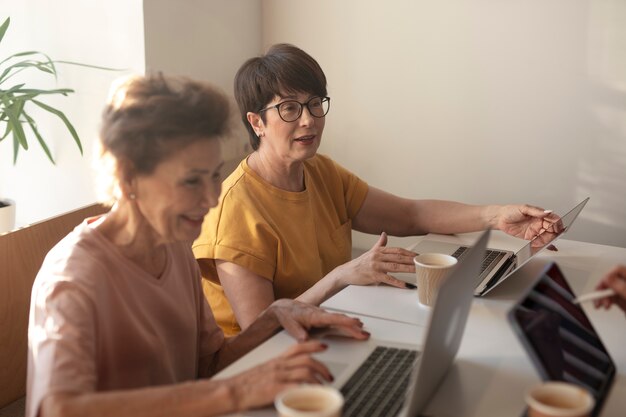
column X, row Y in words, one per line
column 374, row 266
column 258, row 386
column 616, row 280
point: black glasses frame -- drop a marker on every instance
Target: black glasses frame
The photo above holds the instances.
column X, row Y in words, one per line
column 277, row 107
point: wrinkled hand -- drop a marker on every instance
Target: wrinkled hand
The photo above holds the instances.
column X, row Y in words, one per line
column 298, row 318
column 529, row 222
column 258, row 386
column 373, row 266
column 615, row 279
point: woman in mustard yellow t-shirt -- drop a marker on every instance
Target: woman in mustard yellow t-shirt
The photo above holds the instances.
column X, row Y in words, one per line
column 284, row 221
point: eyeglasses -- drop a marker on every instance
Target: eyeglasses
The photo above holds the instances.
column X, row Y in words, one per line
column 291, row 110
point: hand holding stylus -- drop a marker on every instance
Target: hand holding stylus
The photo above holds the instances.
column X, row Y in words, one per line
column 615, row 280
column 594, row 295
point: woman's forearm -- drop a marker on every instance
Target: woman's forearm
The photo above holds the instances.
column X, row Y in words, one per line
column 397, row 216
column 447, row 217
column 325, row 288
column 198, row 398
column 265, row 326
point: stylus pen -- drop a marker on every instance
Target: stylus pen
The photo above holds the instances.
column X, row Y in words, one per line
column 595, row 295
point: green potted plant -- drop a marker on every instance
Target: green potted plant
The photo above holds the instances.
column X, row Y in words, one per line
column 16, row 101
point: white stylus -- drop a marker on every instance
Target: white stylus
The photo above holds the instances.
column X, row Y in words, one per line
column 595, row 295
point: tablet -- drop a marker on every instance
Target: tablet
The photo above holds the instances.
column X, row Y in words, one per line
column 559, row 338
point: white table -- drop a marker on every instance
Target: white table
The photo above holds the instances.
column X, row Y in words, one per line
column 491, row 370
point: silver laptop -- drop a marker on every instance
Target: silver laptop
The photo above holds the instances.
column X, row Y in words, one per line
column 499, row 264
column 396, row 380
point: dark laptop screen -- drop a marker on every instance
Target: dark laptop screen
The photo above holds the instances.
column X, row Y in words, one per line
column 559, row 337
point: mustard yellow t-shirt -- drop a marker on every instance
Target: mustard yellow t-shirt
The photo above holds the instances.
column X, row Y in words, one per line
column 291, row 238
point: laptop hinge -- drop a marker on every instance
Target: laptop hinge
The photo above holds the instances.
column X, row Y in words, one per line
column 503, row 271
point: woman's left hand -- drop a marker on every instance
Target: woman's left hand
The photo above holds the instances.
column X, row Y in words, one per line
column 298, row 319
column 528, row 222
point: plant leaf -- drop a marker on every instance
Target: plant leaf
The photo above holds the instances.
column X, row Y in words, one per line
column 7, row 130
column 33, row 127
column 4, row 27
column 14, row 88
column 41, row 66
column 89, row 66
column 25, row 53
column 63, row 91
column 21, row 66
column 16, row 149
column 31, row 94
column 12, row 101
column 19, row 137
column 65, row 120
column 47, row 65
column 13, row 112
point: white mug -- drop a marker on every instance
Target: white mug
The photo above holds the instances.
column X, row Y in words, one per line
column 559, row 399
column 309, row 401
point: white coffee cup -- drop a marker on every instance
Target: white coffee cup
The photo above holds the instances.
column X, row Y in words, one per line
column 309, row 401
column 430, row 271
column 559, row 399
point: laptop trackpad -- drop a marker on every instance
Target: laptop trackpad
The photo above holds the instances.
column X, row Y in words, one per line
column 432, row 246
column 336, row 368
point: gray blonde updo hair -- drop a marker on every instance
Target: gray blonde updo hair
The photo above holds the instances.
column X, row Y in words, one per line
column 147, row 118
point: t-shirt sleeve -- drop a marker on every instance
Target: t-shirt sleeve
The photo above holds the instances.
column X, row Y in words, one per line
column 237, row 233
column 355, row 190
column 61, row 337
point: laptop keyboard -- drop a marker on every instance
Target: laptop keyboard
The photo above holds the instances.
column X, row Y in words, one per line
column 491, row 257
column 379, row 385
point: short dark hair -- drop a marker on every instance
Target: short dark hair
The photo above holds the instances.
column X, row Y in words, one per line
column 149, row 116
column 283, row 69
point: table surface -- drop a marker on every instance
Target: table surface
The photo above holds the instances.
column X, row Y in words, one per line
column 491, row 370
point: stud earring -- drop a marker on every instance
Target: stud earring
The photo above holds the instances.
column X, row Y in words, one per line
column 132, row 196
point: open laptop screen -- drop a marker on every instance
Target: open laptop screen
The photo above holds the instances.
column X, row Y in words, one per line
column 546, row 238
column 559, row 338
column 532, row 248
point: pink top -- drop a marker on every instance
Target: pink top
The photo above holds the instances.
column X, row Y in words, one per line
column 98, row 322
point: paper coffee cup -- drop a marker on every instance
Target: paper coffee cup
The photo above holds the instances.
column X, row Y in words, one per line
column 430, row 271
column 559, row 399
column 309, row 401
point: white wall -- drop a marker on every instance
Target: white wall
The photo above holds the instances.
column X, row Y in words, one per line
column 474, row 100
column 206, row 40
column 90, row 31
column 481, row 101
column 202, row 39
